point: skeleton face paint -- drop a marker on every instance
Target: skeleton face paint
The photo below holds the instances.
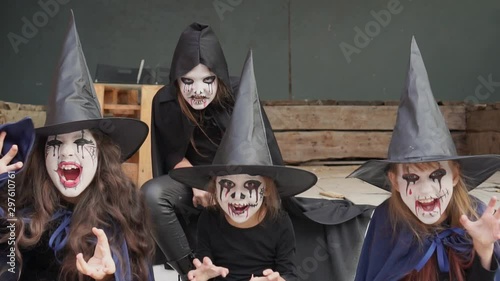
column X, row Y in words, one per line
column 71, row 161
column 240, row 196
column 427, row 193
column 198, row 87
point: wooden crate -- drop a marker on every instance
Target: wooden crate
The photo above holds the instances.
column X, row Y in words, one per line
column 133, row 101
column 483, row 129
column 332, row 131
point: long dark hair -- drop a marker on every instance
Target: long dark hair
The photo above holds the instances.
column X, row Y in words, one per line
column 111, row 202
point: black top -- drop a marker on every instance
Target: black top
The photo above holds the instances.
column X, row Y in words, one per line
column 206, row 141
column 247, row 251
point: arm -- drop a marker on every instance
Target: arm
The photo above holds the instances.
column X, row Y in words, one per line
column 285, row 252
column 478, row 272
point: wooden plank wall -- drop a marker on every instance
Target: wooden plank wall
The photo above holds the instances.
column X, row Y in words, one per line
column 329, row 132
column 319, row 132
column 483, row 129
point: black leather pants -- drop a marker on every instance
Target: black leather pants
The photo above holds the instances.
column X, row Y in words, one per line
column 171, row 208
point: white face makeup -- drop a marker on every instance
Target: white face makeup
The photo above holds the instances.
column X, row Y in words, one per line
column 71, row 161
column 240, row 196
column 198, row 87
column 427, row 193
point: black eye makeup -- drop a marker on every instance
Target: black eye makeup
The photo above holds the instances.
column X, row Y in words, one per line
column 187, row 81
column 53, row 143
column 209, row 79
column 252, row 184
column 411, row 178
column 437, row 174
column 225, row 184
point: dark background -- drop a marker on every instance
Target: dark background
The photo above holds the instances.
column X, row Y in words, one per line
column 296, row 43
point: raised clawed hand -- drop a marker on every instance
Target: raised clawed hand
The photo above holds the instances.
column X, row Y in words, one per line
column 101, row 264
column 7, row 158
column 484, row 231
column 206, row 270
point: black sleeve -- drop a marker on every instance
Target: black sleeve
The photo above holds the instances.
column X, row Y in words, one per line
column 203, row 248
column 170, row 133
column 285, row 250
column 478, row 272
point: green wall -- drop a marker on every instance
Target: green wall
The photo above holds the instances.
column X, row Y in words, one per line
column 340, row 49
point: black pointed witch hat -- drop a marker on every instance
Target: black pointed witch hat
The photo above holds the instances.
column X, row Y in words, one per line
column 421, row 135
column 244, row 148
column 73, row 104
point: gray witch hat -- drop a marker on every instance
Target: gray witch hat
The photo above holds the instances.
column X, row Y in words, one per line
column 73, row 104
column 244, row 148
column 421, row 135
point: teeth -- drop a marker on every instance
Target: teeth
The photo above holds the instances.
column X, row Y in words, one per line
column 68, row 167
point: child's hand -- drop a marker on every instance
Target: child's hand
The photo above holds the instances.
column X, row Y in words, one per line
column 101, row 264
column 484, row 232
column 269, row 275
column 206, row 270
column 5, row 159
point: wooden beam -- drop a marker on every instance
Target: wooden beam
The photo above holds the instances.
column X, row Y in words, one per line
column 483, row 142
column 297, row 147
column 483, row 120
column 145, row 169
column 348, row 117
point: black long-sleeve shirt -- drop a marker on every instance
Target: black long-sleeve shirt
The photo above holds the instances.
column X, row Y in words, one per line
column 247, row 251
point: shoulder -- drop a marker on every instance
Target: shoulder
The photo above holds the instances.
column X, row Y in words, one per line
column 165, row 94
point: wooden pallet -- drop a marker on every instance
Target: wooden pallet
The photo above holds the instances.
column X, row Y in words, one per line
column 325, row 132
column 132, row 101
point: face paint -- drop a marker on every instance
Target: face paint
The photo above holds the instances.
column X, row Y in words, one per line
column 240, row 196
column 198, row 87
column 426, row 193
column 71, row 161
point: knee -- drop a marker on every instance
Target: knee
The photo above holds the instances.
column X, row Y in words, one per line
column 151, row 191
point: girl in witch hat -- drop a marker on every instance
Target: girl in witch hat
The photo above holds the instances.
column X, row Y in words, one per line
column 430, row 228
column 79, row 217
column 245, row 235
column 189, row 119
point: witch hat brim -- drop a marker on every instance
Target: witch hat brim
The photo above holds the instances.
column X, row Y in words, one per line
column 475, row 169
column 245, row 149
column 127, row 133
column 289, row 181
column 73, row 104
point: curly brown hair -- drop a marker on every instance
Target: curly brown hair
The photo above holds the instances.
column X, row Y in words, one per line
column 111, row 202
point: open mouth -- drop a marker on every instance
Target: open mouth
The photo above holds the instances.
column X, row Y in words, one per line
column 198, row 99
column 69, row 174
column 239, row 209
column 428, row 205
